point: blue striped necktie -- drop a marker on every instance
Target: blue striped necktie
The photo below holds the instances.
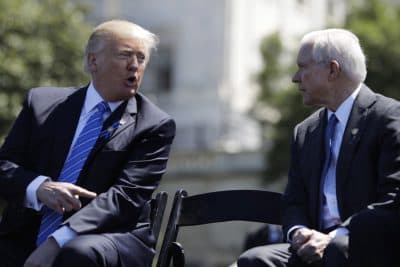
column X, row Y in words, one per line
column 329, row 143
column 73, row 166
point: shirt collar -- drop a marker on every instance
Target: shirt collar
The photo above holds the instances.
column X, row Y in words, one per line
column 93, row 98
column 343, row 111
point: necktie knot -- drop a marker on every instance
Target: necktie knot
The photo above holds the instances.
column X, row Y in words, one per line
column 102, row 107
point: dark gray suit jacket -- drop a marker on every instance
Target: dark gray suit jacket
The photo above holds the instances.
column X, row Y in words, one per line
column 123, row 169
column 368, row 165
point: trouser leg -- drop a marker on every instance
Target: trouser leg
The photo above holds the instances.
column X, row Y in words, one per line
column 88, row 251
column 336, row 253
column 276, row 255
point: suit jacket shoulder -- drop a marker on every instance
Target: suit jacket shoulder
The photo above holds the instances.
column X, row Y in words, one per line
column 309, row 124
column 43, row 100
column 149, row 111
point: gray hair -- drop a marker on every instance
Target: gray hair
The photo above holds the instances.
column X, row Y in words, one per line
column 117, row 28
column 340, row 45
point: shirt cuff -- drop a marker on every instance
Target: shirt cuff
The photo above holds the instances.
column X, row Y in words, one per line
column 63, row 235
column 341, row 231
column 288, row 235
column 31, row 201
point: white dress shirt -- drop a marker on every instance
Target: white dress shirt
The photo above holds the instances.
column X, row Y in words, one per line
column 64, row 234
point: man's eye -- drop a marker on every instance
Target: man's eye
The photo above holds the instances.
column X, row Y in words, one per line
column 124, row 56
column 141, row 58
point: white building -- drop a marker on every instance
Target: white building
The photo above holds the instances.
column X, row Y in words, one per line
column 203, row 75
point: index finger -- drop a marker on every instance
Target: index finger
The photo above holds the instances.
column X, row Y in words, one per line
column 82, row 192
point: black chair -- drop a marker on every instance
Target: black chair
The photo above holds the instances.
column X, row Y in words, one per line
column 158, row 205
column 221, row 206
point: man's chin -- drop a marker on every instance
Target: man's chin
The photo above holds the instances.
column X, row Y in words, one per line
column 132, row 90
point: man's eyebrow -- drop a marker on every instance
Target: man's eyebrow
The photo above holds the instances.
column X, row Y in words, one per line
column 125, row 49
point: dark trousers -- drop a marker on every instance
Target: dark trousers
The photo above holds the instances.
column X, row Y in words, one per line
column 280, row 255
column 14, row 251
column 83, row 251
column 374, row 238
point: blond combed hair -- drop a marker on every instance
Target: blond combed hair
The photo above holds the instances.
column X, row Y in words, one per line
column 119, row 29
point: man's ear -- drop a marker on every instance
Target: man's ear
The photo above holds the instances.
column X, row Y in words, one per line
column 92, row 60
column 334, row 70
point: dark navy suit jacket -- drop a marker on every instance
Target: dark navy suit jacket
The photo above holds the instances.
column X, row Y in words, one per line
column 123, row 168
column 368, row 165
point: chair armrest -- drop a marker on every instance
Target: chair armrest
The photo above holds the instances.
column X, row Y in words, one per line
column 176, row 254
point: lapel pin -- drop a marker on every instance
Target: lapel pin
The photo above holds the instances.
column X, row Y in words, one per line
column 354, row 131
column 122, row 122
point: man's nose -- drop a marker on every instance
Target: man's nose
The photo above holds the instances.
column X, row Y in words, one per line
column 295, row 78
column 133, row 63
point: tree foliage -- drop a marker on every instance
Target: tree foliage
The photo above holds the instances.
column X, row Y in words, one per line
column 375, row 23
column 279, row 93
column 41, row 44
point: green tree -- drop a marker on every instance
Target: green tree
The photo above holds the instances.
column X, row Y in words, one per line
column 375, row 23
column 41, row 44
column 278, row 92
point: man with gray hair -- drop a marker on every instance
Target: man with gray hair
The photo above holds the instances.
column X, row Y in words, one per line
column 79, row 165
column 344, row 156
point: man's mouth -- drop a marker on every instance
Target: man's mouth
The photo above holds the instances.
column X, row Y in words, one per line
column 131, row 81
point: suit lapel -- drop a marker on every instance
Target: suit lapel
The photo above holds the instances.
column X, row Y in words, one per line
column 317, row 146
column 66, row 121
column 127, row 120
column 121, row 128
column 351, row 137
column 317, row 157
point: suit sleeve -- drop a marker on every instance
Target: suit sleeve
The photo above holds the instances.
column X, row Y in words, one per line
column 388, row 170
column 15, row 175
column 389, row 157
column 121, row 205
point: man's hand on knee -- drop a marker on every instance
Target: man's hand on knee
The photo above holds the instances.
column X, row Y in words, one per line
column 313, row 250
column 300, row 237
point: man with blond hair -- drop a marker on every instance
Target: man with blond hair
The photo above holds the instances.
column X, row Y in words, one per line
column 79, row 165
column 345, row 156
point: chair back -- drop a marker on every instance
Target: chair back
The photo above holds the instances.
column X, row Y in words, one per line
column 221, row 206
column 158, row 205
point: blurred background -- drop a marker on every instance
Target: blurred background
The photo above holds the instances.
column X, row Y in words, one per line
column 222, row 70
